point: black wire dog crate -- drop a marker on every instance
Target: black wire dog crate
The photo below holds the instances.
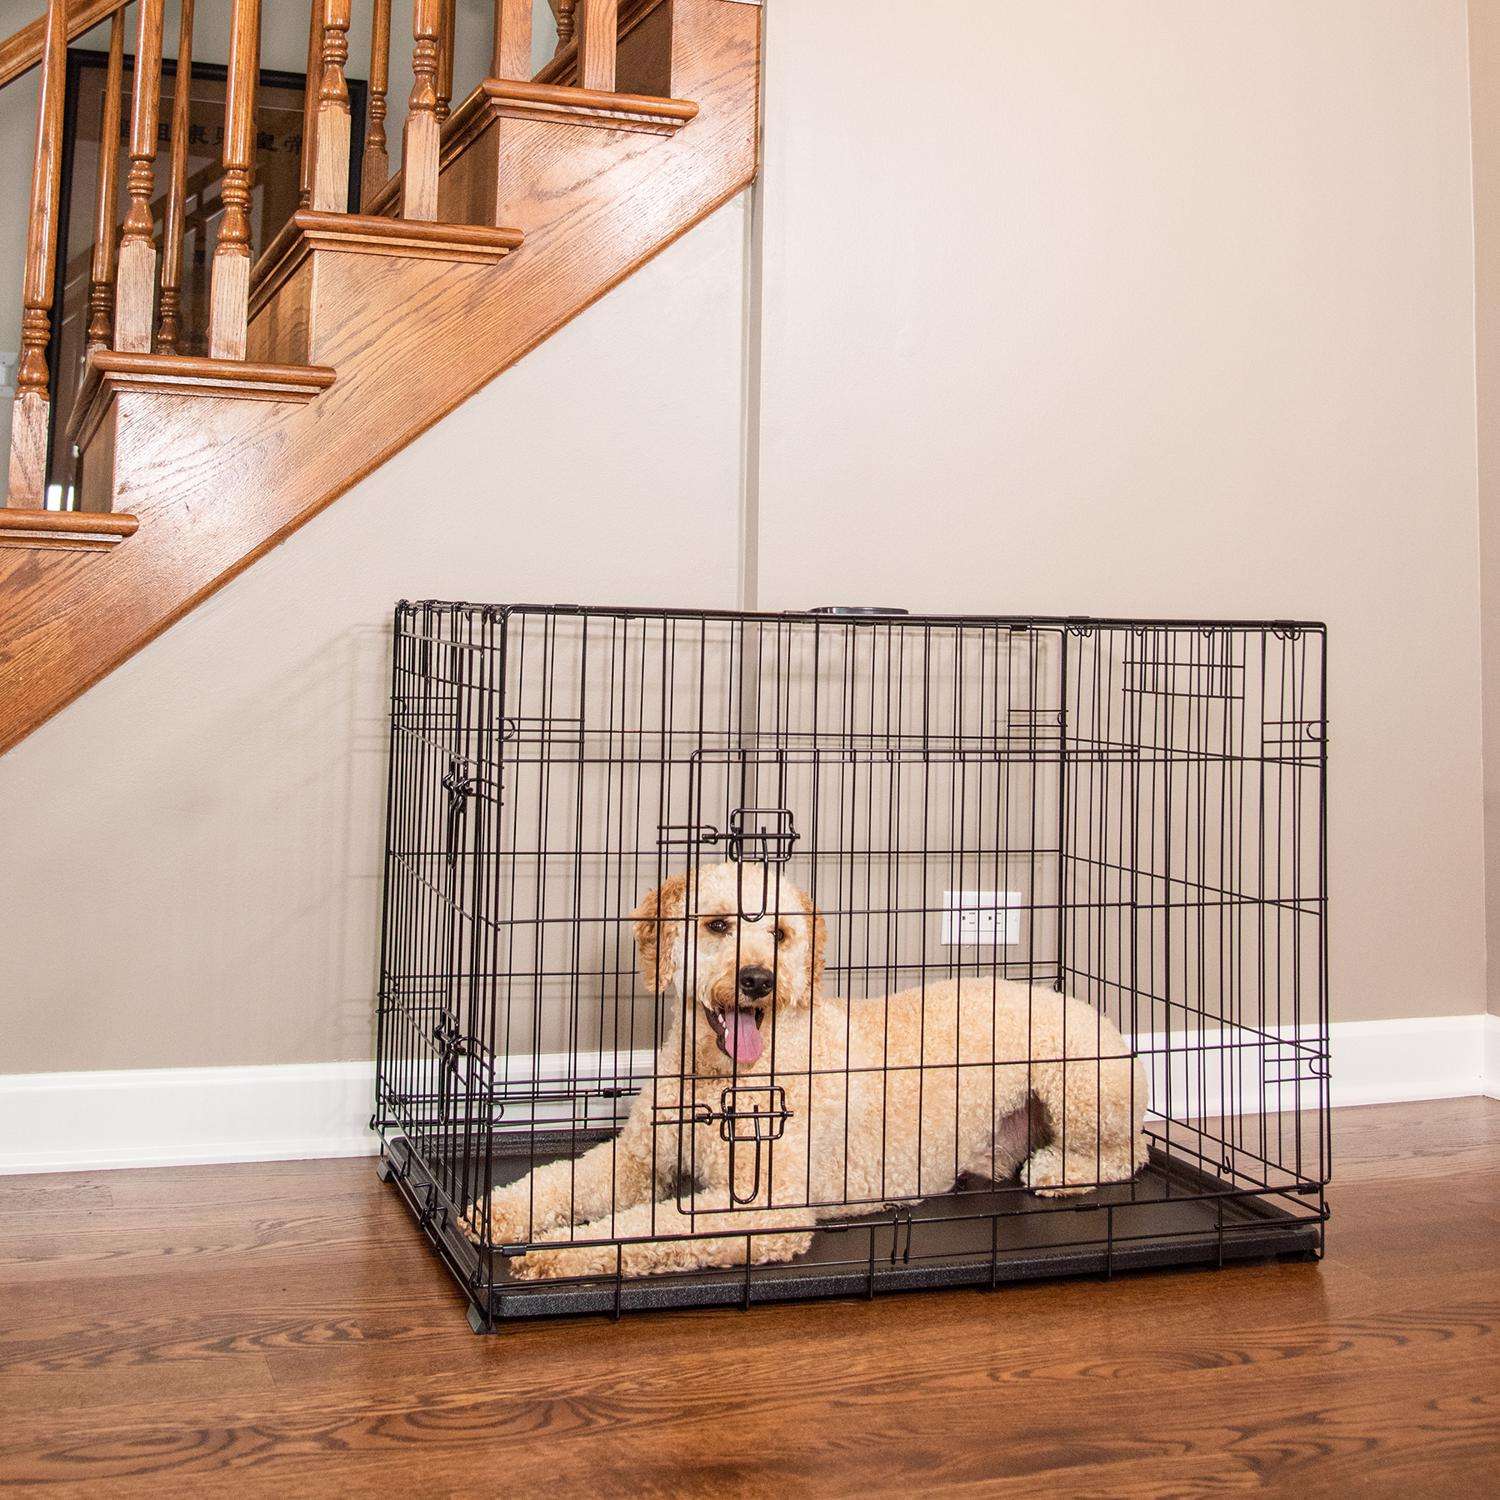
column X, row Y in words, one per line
column 733, row 957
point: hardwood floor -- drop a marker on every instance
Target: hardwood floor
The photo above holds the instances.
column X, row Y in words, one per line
column 281, row 1329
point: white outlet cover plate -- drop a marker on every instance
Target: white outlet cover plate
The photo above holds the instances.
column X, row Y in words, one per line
column 982, row 919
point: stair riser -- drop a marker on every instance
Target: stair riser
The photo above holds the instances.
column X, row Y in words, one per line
column 336, row 305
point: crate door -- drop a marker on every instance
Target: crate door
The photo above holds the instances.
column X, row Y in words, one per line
column 896, row 848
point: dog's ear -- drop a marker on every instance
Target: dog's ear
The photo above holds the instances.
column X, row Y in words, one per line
column 819, row 939
column 655, row 919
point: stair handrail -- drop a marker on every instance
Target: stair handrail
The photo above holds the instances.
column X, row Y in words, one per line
column 21, row 51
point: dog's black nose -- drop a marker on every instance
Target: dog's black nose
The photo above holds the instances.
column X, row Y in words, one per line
column 756, row 983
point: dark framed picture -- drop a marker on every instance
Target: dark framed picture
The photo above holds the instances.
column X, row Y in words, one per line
column 278, row 155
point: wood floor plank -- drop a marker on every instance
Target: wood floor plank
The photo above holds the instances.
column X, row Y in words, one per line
column 1395, row 1142
column 101, row 1390
column 277, row 1181
column 128, row 1243
column 36, row 1197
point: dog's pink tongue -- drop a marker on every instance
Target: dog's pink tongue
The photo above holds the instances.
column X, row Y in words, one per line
column 742, row 1038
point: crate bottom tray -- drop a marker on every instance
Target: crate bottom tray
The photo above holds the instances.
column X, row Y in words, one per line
column 1172, row 1214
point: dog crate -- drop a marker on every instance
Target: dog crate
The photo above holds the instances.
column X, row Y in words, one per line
column 1126, row 812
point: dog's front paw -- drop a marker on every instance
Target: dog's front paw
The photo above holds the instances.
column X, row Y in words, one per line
column 551, row 1265
column 502, row 1221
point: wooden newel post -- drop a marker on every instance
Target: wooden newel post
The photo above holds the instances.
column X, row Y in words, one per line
column 377, row 163
column 135, row 278
column 229, row 296
column 512, row 56
column 28, row 441
column 170, row 333
column 420, row 143
column 106, row 230
column 596, row 51
column 330, row 185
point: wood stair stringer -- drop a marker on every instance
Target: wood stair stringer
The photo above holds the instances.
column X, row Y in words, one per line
column 214, row 490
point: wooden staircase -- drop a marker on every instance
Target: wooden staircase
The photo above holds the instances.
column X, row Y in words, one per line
column 351, row 333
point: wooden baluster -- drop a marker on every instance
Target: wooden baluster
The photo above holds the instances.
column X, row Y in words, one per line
column 567, row 21
column 106, row 229
column 135, row 278
column 28, row 436
column 330, row 187
column 310, row 103
column 447, row 23
column 420, row 142
column 169, row 336
column 377, row 163
column 229, row 296
column 512, row 57
column 596, row 51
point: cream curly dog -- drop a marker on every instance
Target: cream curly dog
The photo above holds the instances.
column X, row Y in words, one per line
column 888, row 1099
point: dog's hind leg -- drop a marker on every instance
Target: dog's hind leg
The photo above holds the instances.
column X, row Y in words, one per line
column 1094, row 1115
column 1018, row 1132
column 760, row 1235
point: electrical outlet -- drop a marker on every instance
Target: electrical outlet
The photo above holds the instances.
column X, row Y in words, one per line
column 9, row 365
column 981, row 919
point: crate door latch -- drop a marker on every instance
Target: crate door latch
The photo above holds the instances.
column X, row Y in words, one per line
column 459, row 786
column 750, row 1116
column 762, row 835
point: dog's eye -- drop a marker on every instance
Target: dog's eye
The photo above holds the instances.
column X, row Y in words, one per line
column 717, row 925
column 781, row 934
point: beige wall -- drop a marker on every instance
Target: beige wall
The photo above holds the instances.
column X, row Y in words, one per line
column 1163, row 309
column 1484, row 71
column 1159, row 308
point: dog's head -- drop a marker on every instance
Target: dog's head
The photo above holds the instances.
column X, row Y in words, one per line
column 743, row 943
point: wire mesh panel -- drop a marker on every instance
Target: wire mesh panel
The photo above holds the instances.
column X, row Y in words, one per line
column 737, row 956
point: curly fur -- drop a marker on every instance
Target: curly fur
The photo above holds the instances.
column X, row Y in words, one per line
column 889, row 1099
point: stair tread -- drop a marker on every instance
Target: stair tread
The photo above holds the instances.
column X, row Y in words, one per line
column 370, row 234
column 594, row 100
column 109, row 371
column 559, row 103
column 91, row 531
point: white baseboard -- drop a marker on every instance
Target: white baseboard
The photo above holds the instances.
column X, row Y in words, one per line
column 1390, row 1062
column 1492, row 1056
column 157, row 1117
column 71, row 1122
